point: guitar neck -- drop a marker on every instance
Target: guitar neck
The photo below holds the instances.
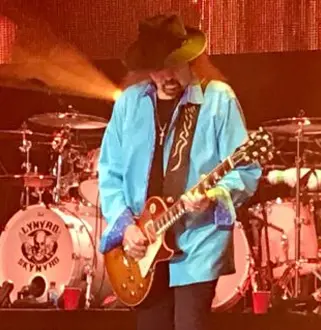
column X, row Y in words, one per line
column 177, row 210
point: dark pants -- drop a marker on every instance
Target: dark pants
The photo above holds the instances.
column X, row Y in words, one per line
column 180, row 308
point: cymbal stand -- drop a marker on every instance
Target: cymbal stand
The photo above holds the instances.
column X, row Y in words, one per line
column 25, row 148
column 297, row 222
column 59, row 144
column 293, row 266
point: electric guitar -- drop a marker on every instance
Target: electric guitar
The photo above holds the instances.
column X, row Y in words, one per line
column 132, row 280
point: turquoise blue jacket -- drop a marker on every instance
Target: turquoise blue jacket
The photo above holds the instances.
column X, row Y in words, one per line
column 206, row 239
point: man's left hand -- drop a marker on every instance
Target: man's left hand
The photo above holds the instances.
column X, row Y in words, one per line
column 195, row 201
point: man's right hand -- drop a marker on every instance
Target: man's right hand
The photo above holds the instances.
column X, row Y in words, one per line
column 134, row 242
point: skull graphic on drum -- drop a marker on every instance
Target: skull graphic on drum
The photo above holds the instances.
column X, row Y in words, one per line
column 39, row 246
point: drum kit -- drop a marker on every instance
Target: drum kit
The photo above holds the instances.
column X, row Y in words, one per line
column 276, row 239
column 55, row 238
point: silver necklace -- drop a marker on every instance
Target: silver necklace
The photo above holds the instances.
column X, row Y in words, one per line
column 162, row 130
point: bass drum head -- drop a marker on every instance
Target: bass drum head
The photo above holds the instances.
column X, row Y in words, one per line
column 230, row 288
column 41, row 245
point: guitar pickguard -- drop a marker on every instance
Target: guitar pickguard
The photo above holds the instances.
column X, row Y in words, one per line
column 152, row 249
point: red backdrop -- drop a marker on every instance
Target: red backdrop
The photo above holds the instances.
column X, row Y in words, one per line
column 103, row 28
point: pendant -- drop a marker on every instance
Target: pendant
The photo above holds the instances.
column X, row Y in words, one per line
column 162, row 134
column 161, row 138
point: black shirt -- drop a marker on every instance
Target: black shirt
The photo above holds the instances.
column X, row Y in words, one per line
column 163, row 115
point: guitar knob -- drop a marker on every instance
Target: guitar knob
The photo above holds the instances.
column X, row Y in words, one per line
column 132, row 278
column 141, row 285
column 132, row 293
column 124, row 286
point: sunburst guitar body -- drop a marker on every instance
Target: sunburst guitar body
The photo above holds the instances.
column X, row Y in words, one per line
column 132, row 280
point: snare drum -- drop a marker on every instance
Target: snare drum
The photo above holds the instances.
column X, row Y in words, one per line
column 88, row 189
column 57, row 244
column 231, row 288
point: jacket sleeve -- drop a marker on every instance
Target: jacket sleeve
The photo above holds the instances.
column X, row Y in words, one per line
column 241, row 182
column 110, row 169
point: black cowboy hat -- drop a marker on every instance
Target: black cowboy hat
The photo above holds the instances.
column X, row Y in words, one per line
column 164, row 41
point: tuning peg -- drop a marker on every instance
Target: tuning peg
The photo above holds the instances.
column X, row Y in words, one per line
column 270, row 156
column 263, row 149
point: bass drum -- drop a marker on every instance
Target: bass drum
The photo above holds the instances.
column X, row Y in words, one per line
column 53, row 244
column 230, row 289
column 88, row 189
column 281, row 233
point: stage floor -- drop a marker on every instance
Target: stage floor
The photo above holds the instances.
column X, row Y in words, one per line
column 125, row 320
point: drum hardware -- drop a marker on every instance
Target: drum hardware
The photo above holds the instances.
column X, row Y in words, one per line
column 30, row 179
column 25, row 148
column 298, row 212
column 59, row 144
column 297, row 127
column 88, row 271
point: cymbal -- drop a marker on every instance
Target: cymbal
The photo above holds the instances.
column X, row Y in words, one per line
column 71, row 119
column 290, row 126
column 31, row 180
column 18, row 134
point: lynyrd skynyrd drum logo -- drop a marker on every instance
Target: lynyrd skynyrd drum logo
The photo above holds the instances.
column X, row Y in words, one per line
column 39, row 245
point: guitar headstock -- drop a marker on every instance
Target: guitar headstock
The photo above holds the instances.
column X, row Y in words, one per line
column 259, row 147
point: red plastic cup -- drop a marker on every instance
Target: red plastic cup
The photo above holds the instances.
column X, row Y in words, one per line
column 261, row 301
column 71, row 298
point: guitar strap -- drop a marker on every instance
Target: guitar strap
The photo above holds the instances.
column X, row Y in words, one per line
column 175, row 179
